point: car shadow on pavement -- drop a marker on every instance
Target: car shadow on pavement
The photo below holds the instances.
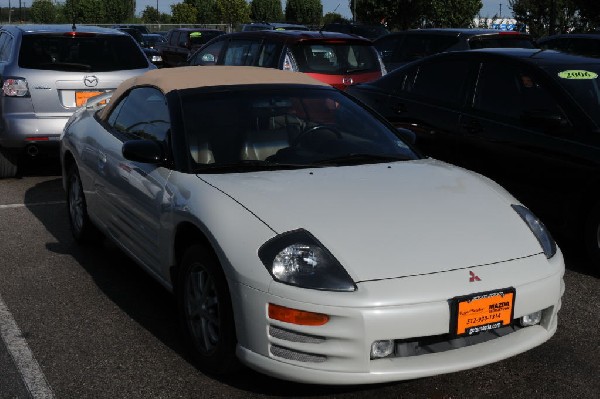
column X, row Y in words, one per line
column 141, row 297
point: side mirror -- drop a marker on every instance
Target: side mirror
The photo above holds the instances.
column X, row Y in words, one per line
column 144, row 151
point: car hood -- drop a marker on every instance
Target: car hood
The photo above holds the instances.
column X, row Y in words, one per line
column 389, row 220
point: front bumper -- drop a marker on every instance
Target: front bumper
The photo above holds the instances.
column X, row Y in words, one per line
column 399, row 309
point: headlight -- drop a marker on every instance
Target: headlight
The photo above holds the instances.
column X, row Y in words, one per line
column 297, row 258
column 539, row 230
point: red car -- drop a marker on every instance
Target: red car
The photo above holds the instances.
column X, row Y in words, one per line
column 335, row 58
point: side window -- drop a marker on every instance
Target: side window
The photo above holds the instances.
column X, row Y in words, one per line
column 269, row 55
column 241, row 52
column 386, row 46
column 586, row 47
column 418, row 46
column 556, row 44
column 513, row 93
column 209, row 55
column 173, row 37
column 142, row 115
column 183, row 39
column 442, row 81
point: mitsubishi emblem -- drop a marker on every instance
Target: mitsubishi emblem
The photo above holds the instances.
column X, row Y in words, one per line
column 90, row 81
column 473, row 277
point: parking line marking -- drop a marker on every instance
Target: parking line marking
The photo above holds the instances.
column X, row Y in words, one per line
column 28, row 367
column 7, row 206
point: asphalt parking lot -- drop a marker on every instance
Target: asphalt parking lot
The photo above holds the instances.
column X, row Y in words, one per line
column 88, row 323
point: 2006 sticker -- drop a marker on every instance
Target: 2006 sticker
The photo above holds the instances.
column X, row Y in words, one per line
column 577, row 74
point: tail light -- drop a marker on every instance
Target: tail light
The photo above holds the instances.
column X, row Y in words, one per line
column 289, row 62
column 15, row 87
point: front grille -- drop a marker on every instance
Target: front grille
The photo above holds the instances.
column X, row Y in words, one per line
column 292, row 336
column 297, row 356
column 446, row 342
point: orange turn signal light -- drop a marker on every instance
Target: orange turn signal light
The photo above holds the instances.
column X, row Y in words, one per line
column 296, row 316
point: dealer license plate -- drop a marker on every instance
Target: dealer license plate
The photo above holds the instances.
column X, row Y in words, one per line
column 486, row 311
column 82, row 96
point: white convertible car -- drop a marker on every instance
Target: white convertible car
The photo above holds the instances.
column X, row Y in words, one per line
column 301, row 234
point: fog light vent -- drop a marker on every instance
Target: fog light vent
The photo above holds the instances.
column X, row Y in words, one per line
column 383, row 348
column 531, row 319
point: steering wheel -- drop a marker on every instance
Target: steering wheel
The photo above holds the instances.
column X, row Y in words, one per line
column 307, row 132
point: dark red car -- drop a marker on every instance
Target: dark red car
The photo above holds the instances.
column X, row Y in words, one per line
column 335, row 58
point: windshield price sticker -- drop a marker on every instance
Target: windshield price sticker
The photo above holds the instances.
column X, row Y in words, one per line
column 482, row 312
column 577, row 74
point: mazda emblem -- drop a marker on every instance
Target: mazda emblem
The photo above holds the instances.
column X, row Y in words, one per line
column 347, row 81
column 90, row 81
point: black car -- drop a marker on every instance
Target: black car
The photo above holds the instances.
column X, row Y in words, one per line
column 152, row 54
column 370, row 32
column 586, row 44
column 527, row 118
column 400, row 48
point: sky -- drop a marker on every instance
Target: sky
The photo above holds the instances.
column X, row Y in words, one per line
column 490, row 7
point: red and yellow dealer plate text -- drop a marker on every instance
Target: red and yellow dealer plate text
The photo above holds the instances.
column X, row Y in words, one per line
column 82, row 96
column 482, row 312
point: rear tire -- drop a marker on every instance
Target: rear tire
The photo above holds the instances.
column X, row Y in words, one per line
column 205, row 311
column 82, row 228
column 8, row 163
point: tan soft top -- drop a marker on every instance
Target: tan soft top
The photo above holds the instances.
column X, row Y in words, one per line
column 169, row 79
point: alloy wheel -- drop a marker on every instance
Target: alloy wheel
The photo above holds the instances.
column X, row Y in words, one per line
column 202, row 308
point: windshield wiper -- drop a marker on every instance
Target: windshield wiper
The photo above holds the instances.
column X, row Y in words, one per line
column 357, row 159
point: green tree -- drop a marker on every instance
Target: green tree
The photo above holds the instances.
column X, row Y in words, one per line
column 43, row 12
column 333, row 17
column 116, row 11
column 544, row 17
column 589, row 10
column 207, row 10
column 266, row 10
column 452, row 13
column 234, row 12
column 397, row 14
column 308, row 12
column 150, row 15
column 84, row 11
column 183, row 13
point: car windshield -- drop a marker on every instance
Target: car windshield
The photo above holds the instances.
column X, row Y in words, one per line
column 88, row 53
column 335, row 58
column 583, row 83
column 152, row 39
column 200, row 37
column 277, row 128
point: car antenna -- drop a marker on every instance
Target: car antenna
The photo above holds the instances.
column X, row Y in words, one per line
column 73, row 27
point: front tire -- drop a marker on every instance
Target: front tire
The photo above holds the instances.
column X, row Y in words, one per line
column 205, row 311
column 82, row 228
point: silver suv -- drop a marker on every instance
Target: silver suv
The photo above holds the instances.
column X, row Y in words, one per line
column 46, row 72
